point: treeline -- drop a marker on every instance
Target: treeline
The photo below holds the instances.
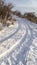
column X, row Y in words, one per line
column 30, row 16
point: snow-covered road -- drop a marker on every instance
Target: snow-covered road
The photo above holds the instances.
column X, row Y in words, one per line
column 18, row 45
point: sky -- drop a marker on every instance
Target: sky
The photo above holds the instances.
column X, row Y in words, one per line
column 24, row 5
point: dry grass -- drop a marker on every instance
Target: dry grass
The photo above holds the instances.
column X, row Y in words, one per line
column 6, row 22
column 0, row 27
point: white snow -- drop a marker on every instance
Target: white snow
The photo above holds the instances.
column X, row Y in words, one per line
column 18, row 43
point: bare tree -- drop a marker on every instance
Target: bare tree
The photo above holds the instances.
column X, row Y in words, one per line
column 5, row 9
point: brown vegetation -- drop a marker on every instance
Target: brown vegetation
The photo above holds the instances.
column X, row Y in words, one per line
column 29, row 16
column 5, row 11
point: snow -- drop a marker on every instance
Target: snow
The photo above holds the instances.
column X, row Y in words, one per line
column 18, row 43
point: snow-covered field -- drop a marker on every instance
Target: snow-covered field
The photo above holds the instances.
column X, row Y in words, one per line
column 18, row 43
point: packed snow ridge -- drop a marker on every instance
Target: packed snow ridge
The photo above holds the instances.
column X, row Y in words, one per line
column 18, row 43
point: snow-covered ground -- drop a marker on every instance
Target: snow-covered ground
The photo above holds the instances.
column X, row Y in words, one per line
column 18, row 43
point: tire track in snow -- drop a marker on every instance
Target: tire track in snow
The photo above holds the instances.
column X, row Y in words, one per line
column 6, row 38
column 18, row 53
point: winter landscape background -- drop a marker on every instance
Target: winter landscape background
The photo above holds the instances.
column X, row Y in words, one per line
column 18, row 42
